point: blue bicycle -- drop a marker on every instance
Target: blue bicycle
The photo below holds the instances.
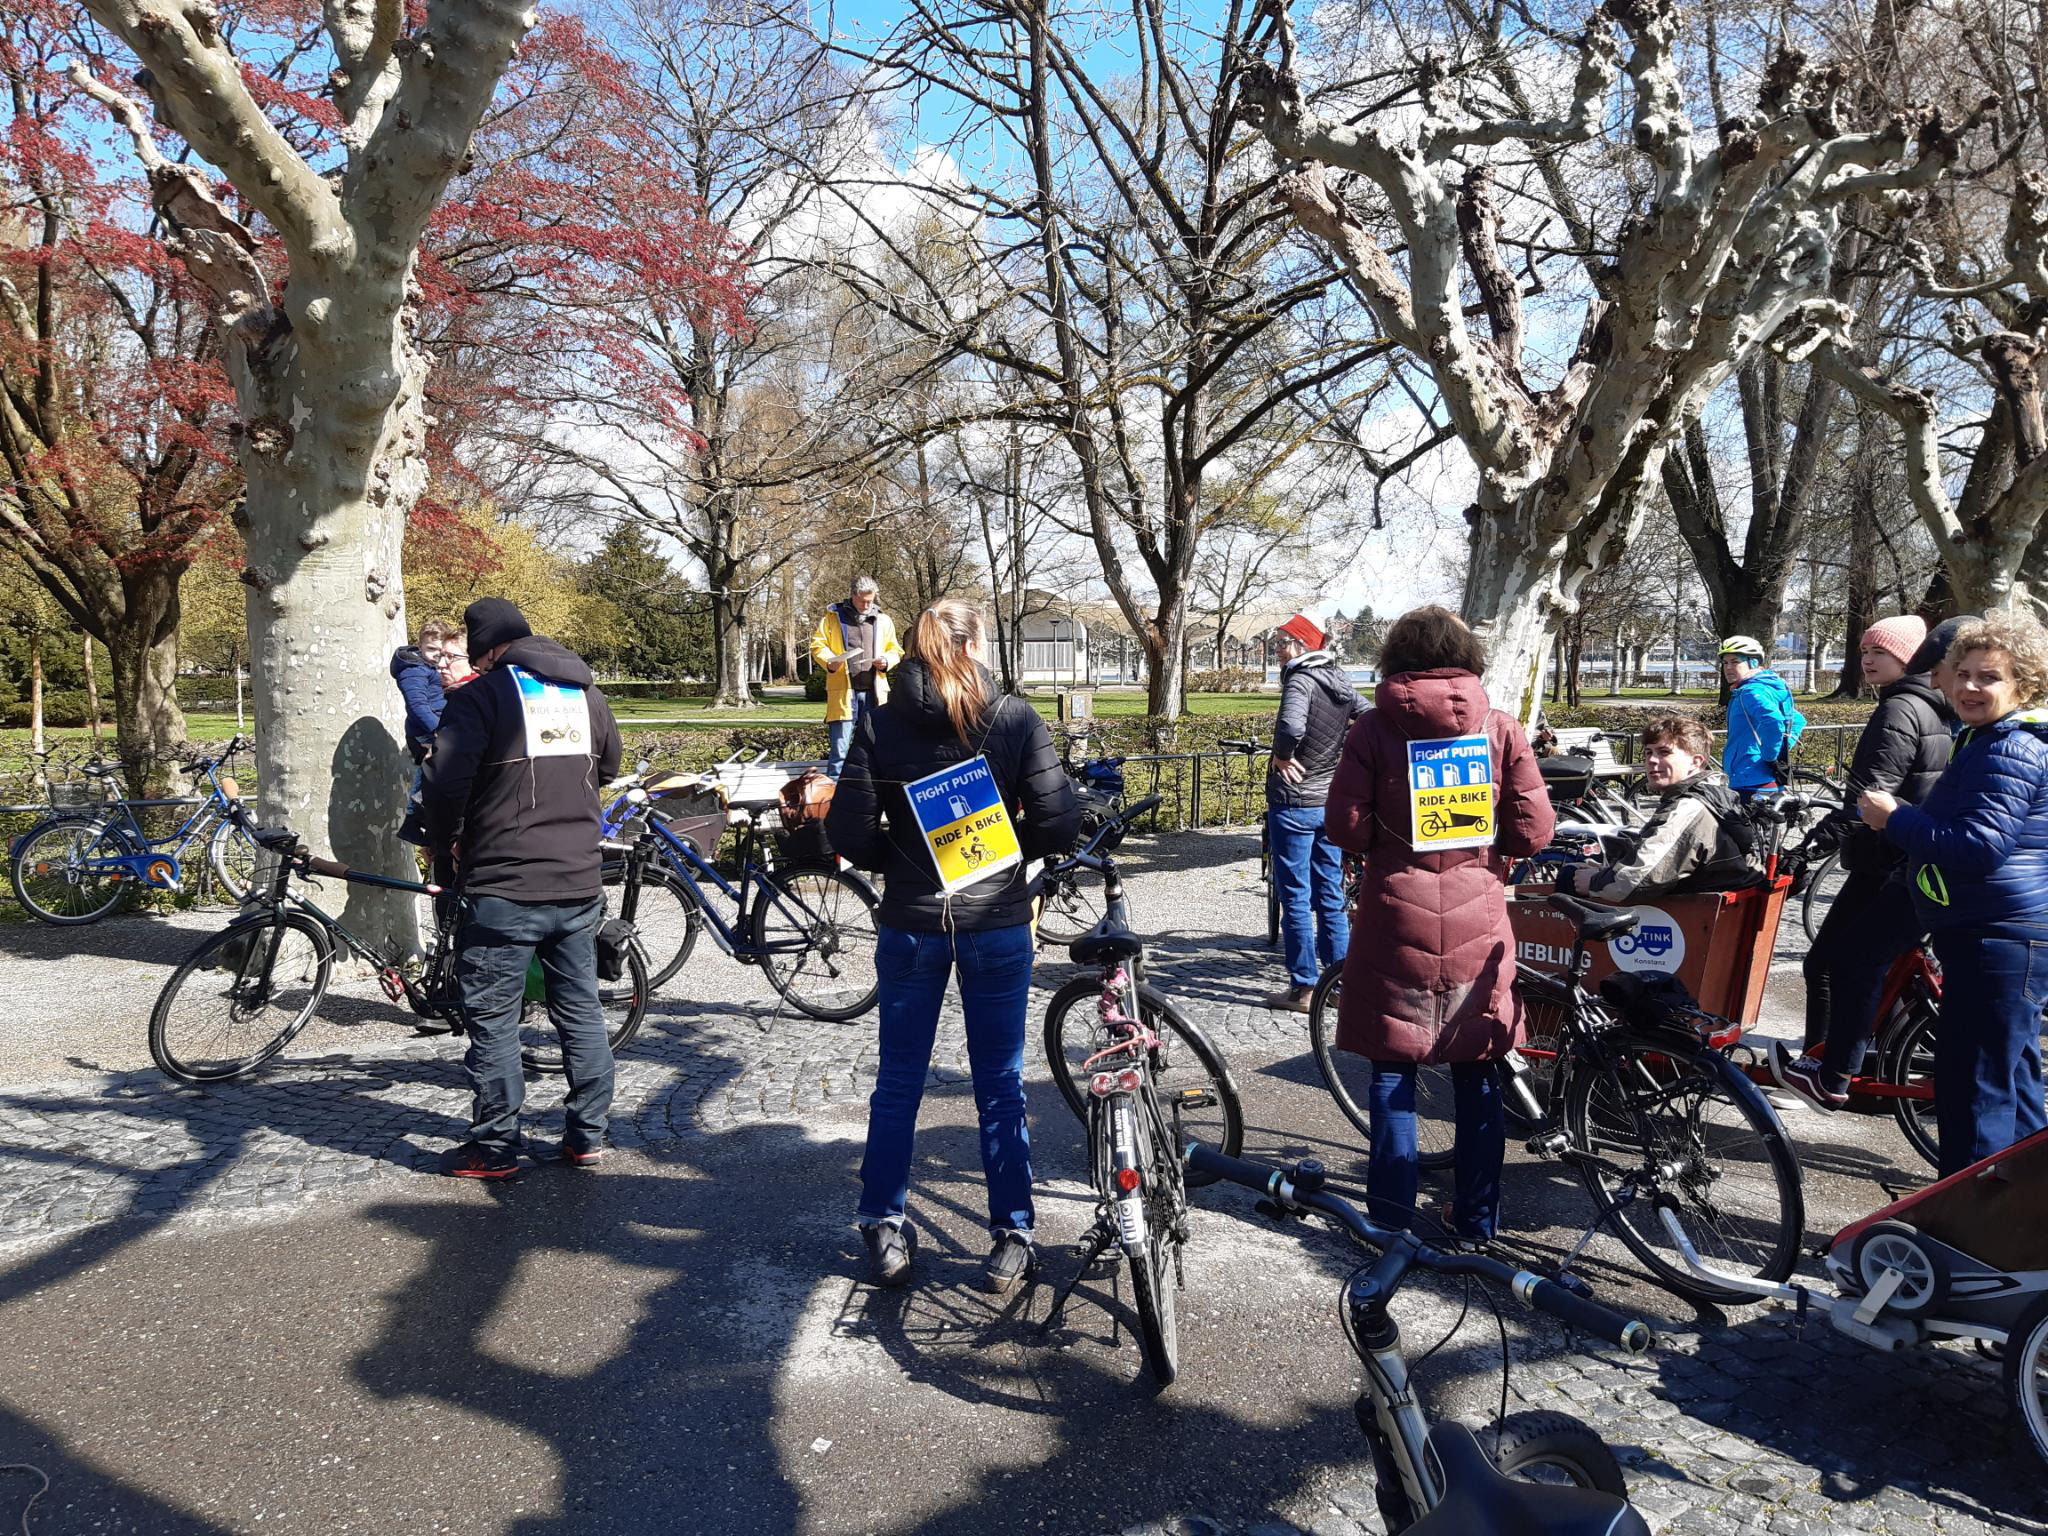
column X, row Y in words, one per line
column 807, row 923
column 80, row 863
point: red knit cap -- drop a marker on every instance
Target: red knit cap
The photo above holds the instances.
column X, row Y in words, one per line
column 1307, row 628
column 1899, row 637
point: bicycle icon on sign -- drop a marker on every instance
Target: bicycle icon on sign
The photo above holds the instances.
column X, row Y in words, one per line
column 1652, row 939
column 975, row 854
column 1437, row 823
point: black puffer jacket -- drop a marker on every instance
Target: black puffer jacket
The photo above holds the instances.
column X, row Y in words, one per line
column 1904, row 747
column 515, row 769
column 901, row 741
column 1318, row 702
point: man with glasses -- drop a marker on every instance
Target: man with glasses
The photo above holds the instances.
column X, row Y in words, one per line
column 855, row 643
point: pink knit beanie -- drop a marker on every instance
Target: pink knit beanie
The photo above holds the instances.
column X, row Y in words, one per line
column 1898, row 637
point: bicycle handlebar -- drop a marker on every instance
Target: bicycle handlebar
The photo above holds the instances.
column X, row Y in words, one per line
column 1277, row 1183
column 1249, row 748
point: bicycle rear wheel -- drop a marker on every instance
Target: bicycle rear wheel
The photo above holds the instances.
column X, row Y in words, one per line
column 1155, row 1280
column 1349, row 1078
column 1682, row 1121
column 1821, row 890
column 1909, row 1062
column 60, row 872
column 624, row 1003
column 238, row 999
column 666, row 919
column 814, row 930
column 1545, row 1001
column 1192, row 1078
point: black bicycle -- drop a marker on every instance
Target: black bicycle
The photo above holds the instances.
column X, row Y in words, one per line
column 1070, row 902
column 1091, row 1014
column 246, row 992
column 1531, row 1474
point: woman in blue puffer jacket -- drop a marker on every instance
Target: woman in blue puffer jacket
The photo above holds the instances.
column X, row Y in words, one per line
column 1977, row 853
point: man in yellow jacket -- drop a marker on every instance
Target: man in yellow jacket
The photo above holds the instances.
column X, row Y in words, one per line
column 856, row 645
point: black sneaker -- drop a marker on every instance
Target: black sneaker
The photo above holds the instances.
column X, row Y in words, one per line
column 481, row 1160
column 891, row 1246
column 1009, row 1261
column 1805, row 1077
column 582, row 1157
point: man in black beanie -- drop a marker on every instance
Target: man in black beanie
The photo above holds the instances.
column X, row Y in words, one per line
column 513, row 780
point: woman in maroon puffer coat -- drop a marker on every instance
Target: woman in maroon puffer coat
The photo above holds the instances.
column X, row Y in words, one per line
column 1430, row 974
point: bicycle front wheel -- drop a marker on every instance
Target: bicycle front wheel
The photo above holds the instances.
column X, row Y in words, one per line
column 1909, row 1062
column 1194, row 1083
column 62, row 872
column 1821, row 890
column 232, row 856
column 814, row 930
column 240, row 997
column 1554, row 1448
column 1349, row 1078
column 1068, row 907
column 1683, row 1122
column 623, row 1003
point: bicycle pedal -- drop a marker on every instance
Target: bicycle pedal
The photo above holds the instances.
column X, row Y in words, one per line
column 1551, row 1145
column 392, row 981
column 1195, row 1098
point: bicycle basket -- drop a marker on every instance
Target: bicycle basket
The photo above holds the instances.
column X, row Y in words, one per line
column 1658, row 1003
column 685, row 795
column 73, row 795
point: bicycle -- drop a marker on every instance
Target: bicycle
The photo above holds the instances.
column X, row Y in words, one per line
column 1093, row 1013
column 80, row 863
column 1067, row 908
column 809, row 926
column 1251, row 749
column 1134, row 1137
column 247, row 991
column 1438, row 1479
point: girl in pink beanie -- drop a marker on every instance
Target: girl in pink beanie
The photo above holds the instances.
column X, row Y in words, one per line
column 1899, row 637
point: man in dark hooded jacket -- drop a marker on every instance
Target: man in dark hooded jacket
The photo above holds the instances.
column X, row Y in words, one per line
column 1318, row 702
column 511, row 785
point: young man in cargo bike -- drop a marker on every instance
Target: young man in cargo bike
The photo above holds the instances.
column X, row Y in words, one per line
column 1698, row 839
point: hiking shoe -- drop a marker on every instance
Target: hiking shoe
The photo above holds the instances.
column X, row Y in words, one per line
column 1290, row 999
column 1806, row 1077
column 1009, row 1261
column 481, row 1160
column 582, row 1157
column 890, row 1248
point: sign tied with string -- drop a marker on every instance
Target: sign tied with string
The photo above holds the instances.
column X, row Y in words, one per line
column 965, row 825
column 1450, row 793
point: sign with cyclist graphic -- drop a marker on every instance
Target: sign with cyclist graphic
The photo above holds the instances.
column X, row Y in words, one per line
column 1450, row 794
column 960, row 812
column 557, row 717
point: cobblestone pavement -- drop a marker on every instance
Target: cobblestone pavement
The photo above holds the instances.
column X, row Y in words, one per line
column 1737, row 1422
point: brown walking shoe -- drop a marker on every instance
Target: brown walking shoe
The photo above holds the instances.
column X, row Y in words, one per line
column 1290, row 999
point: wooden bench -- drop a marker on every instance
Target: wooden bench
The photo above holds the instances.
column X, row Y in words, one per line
column 1585, row 741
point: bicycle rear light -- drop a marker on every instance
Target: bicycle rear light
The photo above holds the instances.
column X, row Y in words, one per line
column 1102, row 1084
column 1127, row 1080
column 1127, row 1180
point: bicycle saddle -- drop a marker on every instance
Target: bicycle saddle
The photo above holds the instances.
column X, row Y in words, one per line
column 1480, row 1500
column 1593, row 922
column 1108, row 940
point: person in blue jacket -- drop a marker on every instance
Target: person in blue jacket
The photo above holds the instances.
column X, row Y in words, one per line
column 417, row 671
column 1763, row 725
column 1977, row 856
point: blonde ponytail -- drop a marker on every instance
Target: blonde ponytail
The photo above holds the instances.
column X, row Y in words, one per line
column 944, row 632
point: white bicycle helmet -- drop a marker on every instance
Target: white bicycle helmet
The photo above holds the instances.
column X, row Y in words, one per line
column 1742, row 645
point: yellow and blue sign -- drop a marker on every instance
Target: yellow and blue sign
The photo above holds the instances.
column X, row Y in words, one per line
column 961, row 814
column 1450, row 793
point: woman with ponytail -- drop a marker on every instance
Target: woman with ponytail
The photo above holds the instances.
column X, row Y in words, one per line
column 944, row 709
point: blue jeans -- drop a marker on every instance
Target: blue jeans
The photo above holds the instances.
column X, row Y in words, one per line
column 496, row 944
column 1482, row 1146
column 1308, row 870
column 839, row 734
column 995, row 986
column 1987, row 1049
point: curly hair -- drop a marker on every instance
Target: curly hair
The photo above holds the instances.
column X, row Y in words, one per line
column 2021, row 638
column 1687, row 730
column 1428, row 638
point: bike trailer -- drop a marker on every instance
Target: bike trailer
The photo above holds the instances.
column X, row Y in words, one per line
column 693, row 807
column 1718, row 943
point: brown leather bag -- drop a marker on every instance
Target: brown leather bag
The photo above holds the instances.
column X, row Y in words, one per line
column 805, row 800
